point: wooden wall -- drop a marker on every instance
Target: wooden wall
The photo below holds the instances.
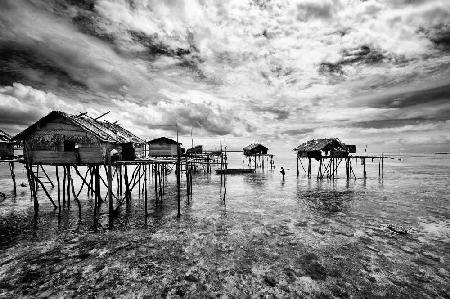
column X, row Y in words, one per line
column 6, row 150
column 46, row 145
column 162, row 149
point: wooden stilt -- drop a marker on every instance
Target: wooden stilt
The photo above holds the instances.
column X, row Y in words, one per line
column 97, row 193
column 379, row 168
column 178, row 173
column 48, row 178
column 120, row 182
column 59, row 188
column 64, row 186
column 309, row 167
column 75, row 197
column 155, row 167
column 110, row 193
column 91, row 181
column 37, row 180
column 364, row 166
column 127, row 187
column 13, row 177
column 68, row 186
column 31, row 183
column 145, row 192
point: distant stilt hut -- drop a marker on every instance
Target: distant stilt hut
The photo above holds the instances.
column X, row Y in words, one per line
column 61, row 138
column 320, row 149
column 196, row 150
column 163, row 147
column 257, row 151
column 6, row 146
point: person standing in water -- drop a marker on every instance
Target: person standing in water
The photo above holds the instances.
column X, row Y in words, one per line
column 282, row 172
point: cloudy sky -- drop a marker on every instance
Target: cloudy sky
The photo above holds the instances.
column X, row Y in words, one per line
column 280, row 72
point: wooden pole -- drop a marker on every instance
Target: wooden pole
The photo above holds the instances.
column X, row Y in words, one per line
column 31, row 183
column 145, row 192
column 120, row 181
column 379, row 168
column 364, row 168
column 97, row 192
column 68, row 186
column 13, row 177
column 155, row 169
column 91, row 181
column 46, row 175
column 309, row 167
column 37, row 180
column 347, row 168
column 298, row 173
column 127, row 187
column 178, row 173
column 110, row 191
column 75, row 197
column 64, row 186
column 59, row 188
column 139, row 179
column 382, row 165
column 37, row 175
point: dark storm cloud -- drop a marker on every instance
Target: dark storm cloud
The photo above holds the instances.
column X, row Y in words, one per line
column 12, row 116
column 20, row 63
column 298, row 132
column 359, row 55
column 277, row 112
column 394, row 123
column 405, row 99
column 439, row 35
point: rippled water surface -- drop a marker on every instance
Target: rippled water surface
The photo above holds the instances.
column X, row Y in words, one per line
column 262, row 235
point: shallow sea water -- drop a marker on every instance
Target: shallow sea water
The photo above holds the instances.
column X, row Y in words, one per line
column 261, row 237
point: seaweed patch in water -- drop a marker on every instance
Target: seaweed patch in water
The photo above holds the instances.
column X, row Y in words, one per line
column 328, row 202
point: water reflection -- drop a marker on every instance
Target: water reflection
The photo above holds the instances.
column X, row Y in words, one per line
column 259, row 219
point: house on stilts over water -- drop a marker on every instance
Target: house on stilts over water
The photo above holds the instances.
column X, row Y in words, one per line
column 62, row 138
column 326, row 147
column 258, row 153
column 320, row 149
column 163, row 147
column 6, row 146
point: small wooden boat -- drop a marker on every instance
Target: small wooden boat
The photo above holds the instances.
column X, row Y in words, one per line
column 235, row 170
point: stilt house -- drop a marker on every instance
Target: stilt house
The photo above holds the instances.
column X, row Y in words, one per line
column 61, row 138
column 196, row 150
column 6, row 146
column 255, row 149
column 318, row 148
column 162, row 147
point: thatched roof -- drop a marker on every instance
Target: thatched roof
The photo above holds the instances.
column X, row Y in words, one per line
column 325, row 144
column 254, row 146
column 103, row 130
column 4, row 137
column 198, row 149
column 163, row 140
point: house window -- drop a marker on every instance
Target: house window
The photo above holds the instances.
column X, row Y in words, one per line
column 69, row 146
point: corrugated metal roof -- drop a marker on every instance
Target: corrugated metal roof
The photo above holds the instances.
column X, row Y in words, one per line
column 321, row 145
column 103, row 130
